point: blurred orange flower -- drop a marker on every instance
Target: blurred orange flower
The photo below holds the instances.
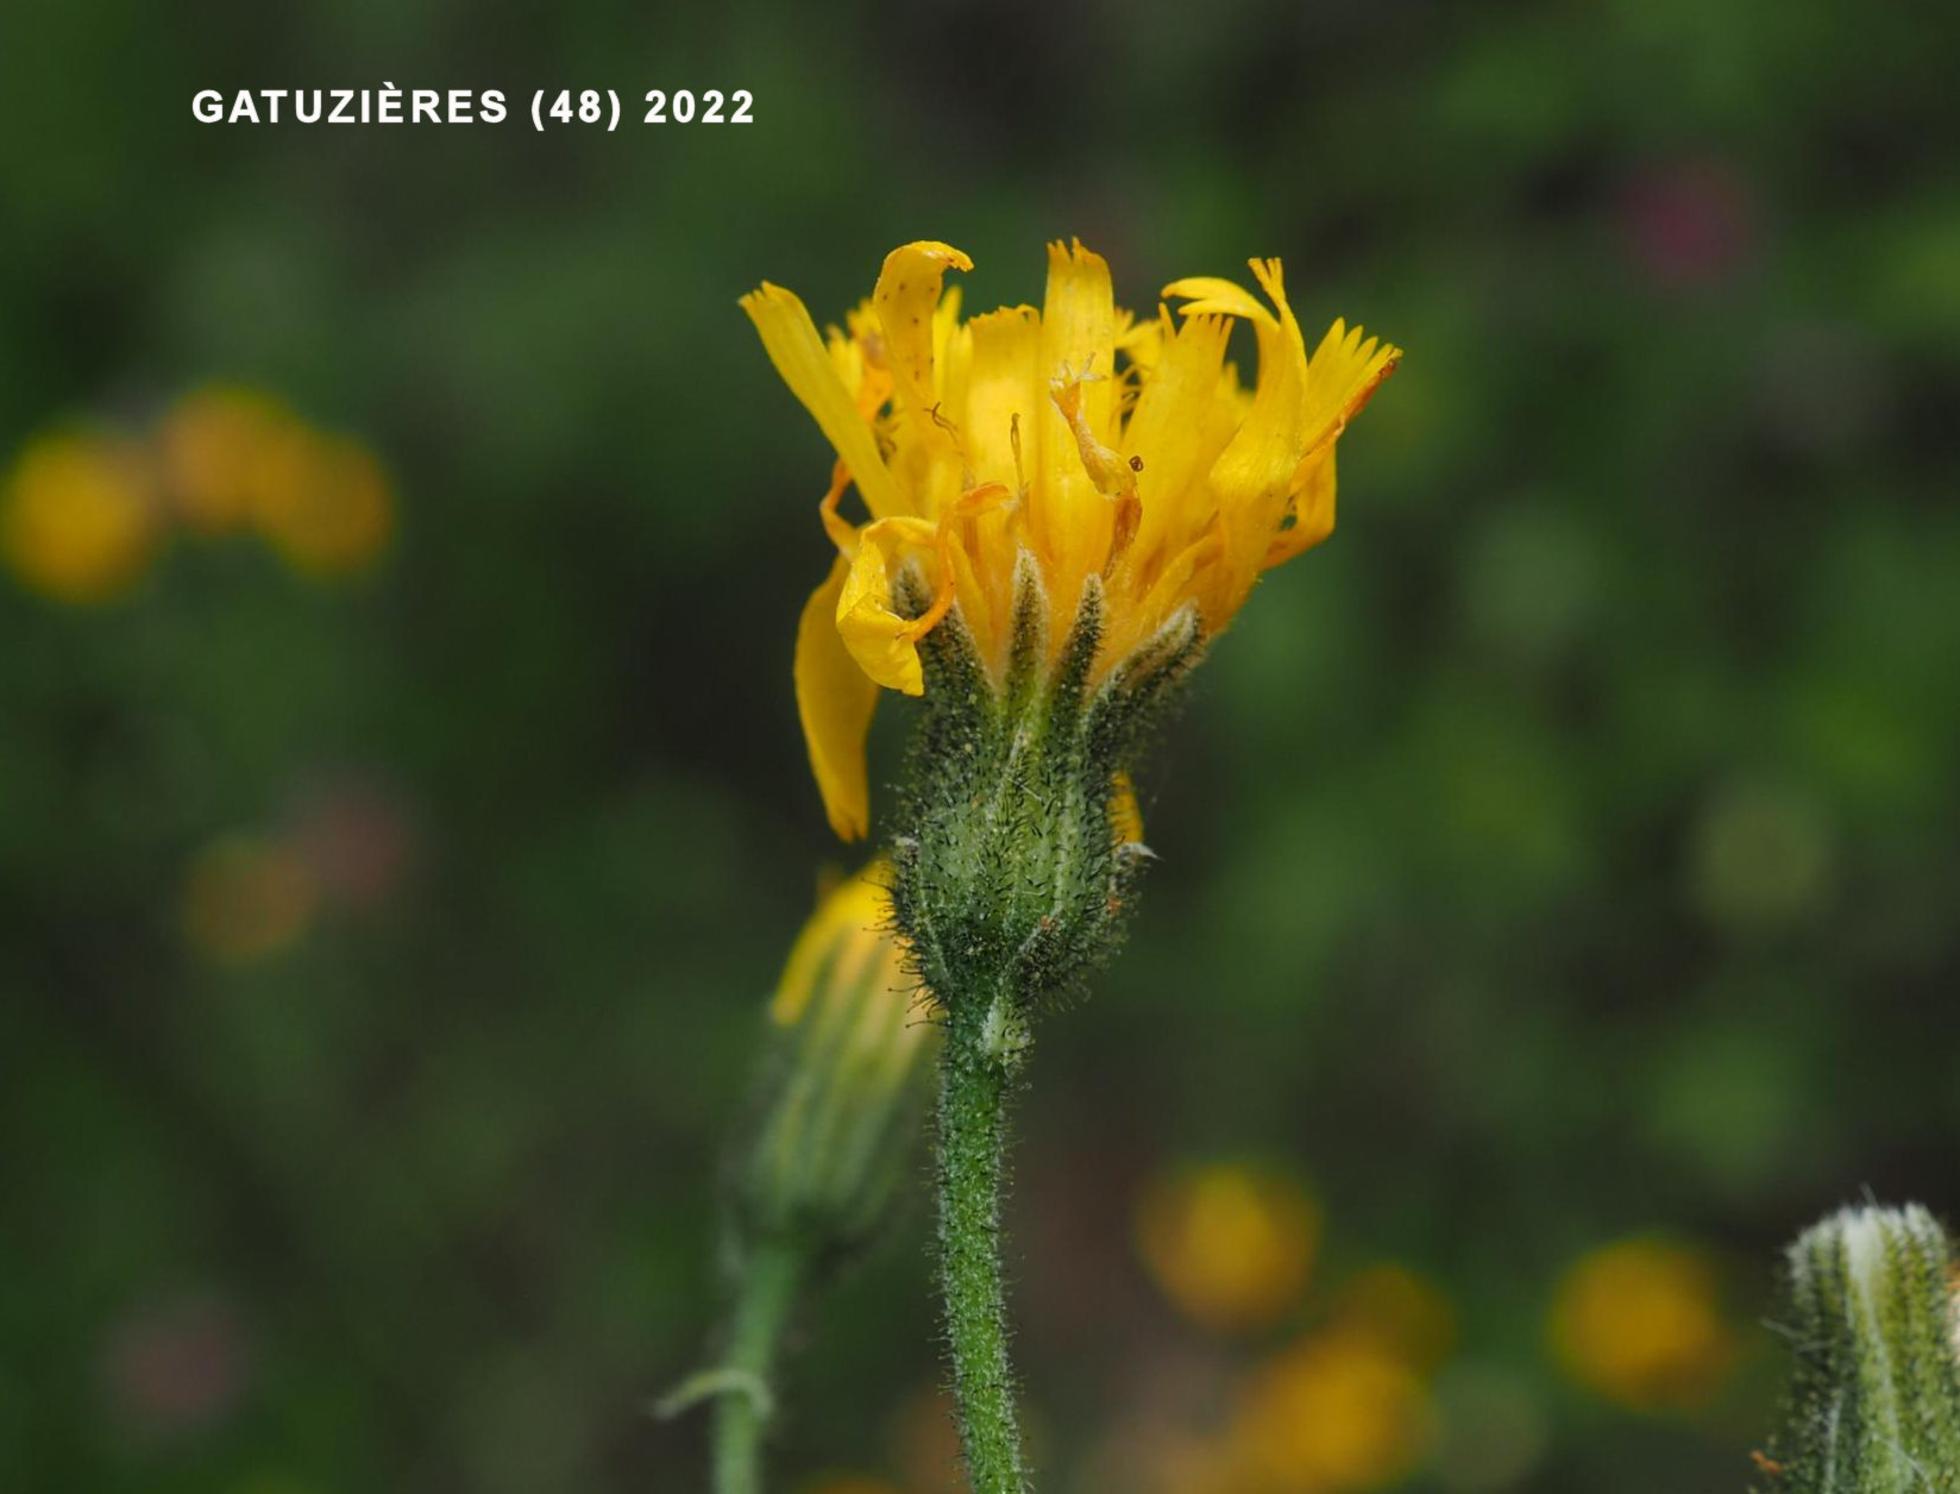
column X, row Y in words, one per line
column 79, row 521
column 215, row 444
column 1640, row 1322
column 325, row 503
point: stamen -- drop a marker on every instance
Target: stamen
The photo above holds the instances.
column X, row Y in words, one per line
column 967, row 476
column 1106, row 468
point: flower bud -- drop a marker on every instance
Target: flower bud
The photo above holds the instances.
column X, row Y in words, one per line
column 1874, row 1404
column 848, row 1052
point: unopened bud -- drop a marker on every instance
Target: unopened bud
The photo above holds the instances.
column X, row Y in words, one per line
column 850, row 1048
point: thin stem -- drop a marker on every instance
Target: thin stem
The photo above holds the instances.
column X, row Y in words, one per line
column 975, row 1079
column 762, row 1305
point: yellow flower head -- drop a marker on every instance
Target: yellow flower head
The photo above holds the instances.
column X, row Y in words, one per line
column 1095, row 443
column 79, row 521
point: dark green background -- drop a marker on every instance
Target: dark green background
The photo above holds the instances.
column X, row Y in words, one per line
column 1566, row 850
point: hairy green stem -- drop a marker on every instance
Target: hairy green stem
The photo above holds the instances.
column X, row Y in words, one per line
column 770, row 1280
column 977, row 1071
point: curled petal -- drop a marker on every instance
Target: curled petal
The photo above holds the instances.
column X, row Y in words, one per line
column 883, row 643
column 907, row 299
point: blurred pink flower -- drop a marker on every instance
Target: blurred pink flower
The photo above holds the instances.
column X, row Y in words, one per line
column 177, row 1364
column 357, row 835
column 1690, row 223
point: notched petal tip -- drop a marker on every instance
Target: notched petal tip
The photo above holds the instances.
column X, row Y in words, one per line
column 1343, row 375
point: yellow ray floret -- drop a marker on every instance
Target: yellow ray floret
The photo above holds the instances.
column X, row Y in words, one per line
column 1097, row 443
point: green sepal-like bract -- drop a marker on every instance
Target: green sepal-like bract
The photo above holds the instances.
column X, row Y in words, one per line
column 1874, row 1403
column 1011, row 881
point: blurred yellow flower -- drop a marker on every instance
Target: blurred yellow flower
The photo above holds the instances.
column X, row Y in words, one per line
column 217, row 445
column 1408, row 1315
column 1230, row 1245
column 246, row 899
column 1640, row 1322
column 324, row 502
column 1336, row 1412
column 79, row 521
column 976, row 443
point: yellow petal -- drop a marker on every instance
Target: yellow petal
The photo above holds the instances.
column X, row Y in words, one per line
column 1210, row 296
column 878, row 638
column 1343, row 376
column 907, row 299
column 1078, row 328
column 1170, row 433
column 1071, row 521
column 1001, row 384
column 847, row 357
column 1312, row 511
column 835, row 701
column 808, row 368
column 1252, row 477
column 1141, row 342
column 1003, row 381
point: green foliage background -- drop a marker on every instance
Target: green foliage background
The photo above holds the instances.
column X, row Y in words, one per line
column 1566, row 850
